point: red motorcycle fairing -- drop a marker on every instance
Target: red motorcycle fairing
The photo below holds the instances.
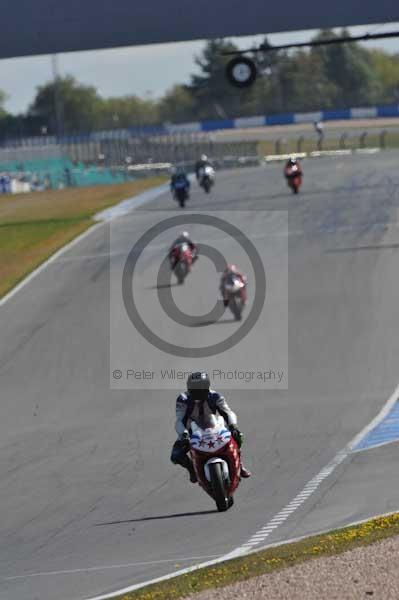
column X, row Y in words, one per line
column 296, row 182
column 230, row 453
column 182, row 252
column 234, row 291
column 294, row 178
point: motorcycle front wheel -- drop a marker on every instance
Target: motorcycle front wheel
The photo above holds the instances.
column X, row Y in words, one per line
column 180, row 273
column 236, row 308
column 218, row 487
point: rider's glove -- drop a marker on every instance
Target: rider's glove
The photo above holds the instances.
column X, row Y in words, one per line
column 237, row 435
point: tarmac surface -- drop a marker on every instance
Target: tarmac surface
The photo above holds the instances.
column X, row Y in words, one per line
column 90, row 502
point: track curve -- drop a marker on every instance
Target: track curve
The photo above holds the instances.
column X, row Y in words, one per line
column 89, row 499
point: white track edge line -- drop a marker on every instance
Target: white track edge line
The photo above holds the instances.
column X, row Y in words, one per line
column 140, row 199
column 48, row 262
column 339, row 458
column 249, row 553
column 106, row 567
column 323, row 474
column 137, row 586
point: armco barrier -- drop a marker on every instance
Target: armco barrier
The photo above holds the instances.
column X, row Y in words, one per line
column 208, row 126
column 215, row 125
column 337, row 115
column 286, row 119
column 291, row 118
column 388, row 111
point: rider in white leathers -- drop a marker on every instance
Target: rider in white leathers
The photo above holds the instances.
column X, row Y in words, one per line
column 200, row 400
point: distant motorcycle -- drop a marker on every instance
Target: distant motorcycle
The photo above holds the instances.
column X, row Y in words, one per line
column 216, row 459
column 207, row 178
column 235, row 290
column 294, row 178
column 181, row 193
column 182, row 259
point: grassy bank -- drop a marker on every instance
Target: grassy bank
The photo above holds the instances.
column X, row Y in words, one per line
column 267, row 561
column 33, row 226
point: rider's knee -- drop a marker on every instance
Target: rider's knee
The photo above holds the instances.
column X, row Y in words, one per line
column 176, row 456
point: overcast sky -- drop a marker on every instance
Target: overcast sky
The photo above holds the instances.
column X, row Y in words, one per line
column 140, row 70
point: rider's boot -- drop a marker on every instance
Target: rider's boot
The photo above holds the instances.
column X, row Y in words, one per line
column 244, row 472
column 187, row 463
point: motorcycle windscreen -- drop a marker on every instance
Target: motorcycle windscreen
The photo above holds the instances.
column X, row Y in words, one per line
column 233, row 284
column 209, row 421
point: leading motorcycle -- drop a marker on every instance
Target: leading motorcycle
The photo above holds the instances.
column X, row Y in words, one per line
column 216, row 459
column 294, row 178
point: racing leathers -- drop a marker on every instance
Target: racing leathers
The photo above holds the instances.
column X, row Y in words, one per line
column 293, row 169
column 179, row 177
column 199, row 165
column 187, row 409
column 177, row 242
column 226, row 277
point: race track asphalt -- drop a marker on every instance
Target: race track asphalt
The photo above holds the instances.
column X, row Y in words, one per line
column 89, row 501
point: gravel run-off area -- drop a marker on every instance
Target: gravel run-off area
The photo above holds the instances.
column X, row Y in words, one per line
column 366, row 572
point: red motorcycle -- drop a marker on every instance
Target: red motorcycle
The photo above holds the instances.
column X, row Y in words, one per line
column 235, row 291
column 294, row 178
column 182, row 259
column 216, row 459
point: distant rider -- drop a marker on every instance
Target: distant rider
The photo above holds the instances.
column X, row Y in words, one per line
column 200, row 400
column 293, row 168
column 229, row 274
column 179, row 177
column 183, row 238
column 319, row 128
column 201, row 164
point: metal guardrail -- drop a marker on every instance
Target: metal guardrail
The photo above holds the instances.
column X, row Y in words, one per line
column 140, row 156
column 346, row 141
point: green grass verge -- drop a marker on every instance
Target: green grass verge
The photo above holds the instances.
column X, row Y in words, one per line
column 34, row 226
column 267, row 561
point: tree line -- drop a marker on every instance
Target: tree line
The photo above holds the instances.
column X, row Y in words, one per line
column 321, row 78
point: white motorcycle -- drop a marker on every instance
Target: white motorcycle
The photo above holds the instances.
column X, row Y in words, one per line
column 207, row 178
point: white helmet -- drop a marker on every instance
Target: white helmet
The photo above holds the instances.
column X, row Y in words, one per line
column 204, row 157
column 230, row 269
column 185, row 235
